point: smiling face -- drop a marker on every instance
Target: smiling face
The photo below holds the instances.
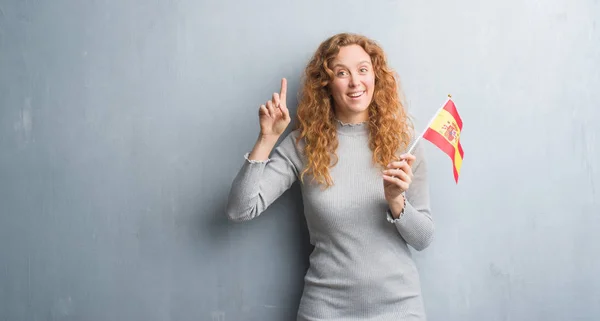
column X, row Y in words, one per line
column 353, row 84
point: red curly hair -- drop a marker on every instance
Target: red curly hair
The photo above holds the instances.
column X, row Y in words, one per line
column 389, row 126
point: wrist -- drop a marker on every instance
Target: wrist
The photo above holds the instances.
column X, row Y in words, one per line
column 263, row 147
column 397, row 206
column 267, row 139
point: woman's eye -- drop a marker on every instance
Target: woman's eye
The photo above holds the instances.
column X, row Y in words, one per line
column 341, row 73
column 363, row 69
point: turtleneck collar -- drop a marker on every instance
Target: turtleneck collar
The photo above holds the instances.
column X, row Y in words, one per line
column 352, row 129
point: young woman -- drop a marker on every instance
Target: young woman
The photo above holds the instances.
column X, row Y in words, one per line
column 365, row 198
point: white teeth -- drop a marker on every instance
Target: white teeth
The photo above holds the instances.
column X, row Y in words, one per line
column 354, row 95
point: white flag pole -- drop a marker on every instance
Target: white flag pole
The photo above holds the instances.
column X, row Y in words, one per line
column 428, row 124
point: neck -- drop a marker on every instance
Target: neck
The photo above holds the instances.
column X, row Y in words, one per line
column 352, row 118
column 352, row 129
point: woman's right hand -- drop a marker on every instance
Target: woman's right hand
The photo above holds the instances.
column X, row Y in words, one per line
column 274, row 116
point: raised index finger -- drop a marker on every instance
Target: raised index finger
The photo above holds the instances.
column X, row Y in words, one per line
column 283, row 91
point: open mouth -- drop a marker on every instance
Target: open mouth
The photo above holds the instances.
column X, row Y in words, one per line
column 356, row 94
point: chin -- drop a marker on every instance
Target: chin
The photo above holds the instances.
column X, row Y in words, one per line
column 358, row 108
column 354, row 108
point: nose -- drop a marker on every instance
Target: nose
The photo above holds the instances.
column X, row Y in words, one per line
column 354, row 80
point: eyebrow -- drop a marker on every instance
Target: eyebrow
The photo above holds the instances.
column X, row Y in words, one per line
column 360, row 63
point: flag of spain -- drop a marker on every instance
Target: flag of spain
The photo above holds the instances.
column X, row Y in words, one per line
column 444, row 132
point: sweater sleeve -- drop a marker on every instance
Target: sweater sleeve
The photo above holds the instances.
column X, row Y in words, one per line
column 259, row 183
column 415, row 225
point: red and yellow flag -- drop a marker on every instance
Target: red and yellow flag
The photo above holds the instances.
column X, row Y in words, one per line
column 444, row 132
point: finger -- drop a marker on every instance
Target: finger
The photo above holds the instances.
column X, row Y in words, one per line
column 283, row 91
column 276, row 104
column 285, row 111
column 410, row 158
column 270, row 108
column 401, row 166
column 396, row 164
column 263, row 110
column 405, row 167
column 396, row 181
column 389, row 178
column 388, row 181
column 402, row 175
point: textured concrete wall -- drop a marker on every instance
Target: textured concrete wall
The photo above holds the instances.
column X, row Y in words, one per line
column 123, row 123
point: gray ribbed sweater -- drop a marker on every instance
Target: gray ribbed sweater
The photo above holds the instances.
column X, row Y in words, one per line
column 361, row 267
